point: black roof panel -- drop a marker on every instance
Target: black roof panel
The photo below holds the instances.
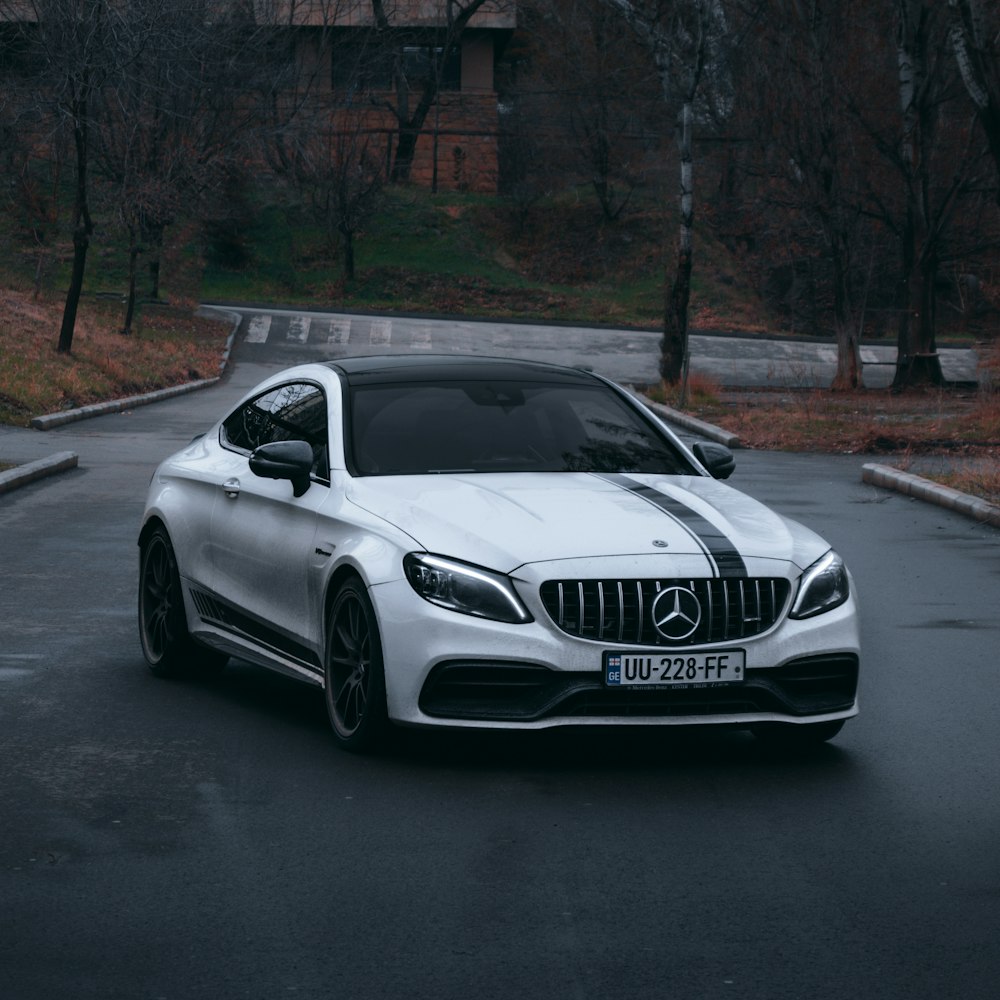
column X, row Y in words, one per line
column 449, row 367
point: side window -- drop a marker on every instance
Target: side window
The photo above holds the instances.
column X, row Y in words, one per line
column 292, row 412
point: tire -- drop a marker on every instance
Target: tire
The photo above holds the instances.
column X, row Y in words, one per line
column 354, row 675
column 788, row 735
column 163, row 632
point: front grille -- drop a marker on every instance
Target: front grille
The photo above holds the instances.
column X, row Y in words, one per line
column 620, row 611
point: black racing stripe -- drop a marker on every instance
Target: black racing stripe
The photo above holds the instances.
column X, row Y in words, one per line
column 728, row 562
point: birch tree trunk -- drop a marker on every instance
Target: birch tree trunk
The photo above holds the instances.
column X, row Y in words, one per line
column 679, row 48
column 976, row 45
column 674, row 344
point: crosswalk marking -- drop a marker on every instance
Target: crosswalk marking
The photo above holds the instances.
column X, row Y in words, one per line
column 298, row 329
column 258, row 329
column 751, row 362
column 381, row 332
column 340, row 331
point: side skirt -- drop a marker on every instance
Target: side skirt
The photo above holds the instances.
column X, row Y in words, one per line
column 231, row 630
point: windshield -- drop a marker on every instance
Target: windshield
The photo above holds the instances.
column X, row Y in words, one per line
column 491, row 426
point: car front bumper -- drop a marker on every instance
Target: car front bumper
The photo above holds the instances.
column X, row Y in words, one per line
column 454, row 670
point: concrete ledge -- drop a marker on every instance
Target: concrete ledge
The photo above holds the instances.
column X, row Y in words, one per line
column 50, row 420
column 924, row 489
column 21, row 475
column 692, row 424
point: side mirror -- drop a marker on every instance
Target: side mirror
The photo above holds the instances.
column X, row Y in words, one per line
column 291, row 460
column 717, row 458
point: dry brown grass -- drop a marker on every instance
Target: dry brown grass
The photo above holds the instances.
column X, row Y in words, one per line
column 931, row 421
column 928, row 421
column 977, row 480
column 961, row 426
column 169, row 346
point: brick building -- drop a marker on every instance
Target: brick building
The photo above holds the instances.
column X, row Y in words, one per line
column 379, row 53
column 374, row 55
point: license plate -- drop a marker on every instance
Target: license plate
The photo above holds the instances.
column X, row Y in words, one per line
column 675, row 669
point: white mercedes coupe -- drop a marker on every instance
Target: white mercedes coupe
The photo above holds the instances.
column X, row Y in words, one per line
column 478, row 542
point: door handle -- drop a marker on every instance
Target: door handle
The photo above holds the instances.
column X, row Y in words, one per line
column 231, row 487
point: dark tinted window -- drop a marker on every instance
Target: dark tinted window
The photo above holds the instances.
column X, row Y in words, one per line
column 420, row 62
column 293, row 412
column 503, row 427
column 360, row 62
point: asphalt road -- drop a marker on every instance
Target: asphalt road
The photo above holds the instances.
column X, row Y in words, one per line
column 206, row 839
column 288, row 336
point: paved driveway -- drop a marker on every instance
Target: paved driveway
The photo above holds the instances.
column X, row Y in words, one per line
column 628, row 356
column 205, row 838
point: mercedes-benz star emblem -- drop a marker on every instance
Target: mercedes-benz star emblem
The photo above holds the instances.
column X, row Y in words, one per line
column 676, row 613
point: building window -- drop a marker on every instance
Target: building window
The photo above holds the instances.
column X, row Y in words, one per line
column 357, row 65
column 420, row 61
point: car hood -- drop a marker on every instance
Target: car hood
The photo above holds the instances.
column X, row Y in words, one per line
column 504, row 521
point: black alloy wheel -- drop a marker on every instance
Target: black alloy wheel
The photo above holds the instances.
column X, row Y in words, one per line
column 166, row 642
column 355, row 677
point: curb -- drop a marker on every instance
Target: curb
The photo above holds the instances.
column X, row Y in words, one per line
column 924, row 489
column 50, row 420
column 692, row 424
column 23, row 474
column 234, row 318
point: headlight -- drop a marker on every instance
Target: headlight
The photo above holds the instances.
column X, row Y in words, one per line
column 470, row 590
column 823, row 587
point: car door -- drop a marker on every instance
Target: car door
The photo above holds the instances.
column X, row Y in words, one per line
column 262, row 537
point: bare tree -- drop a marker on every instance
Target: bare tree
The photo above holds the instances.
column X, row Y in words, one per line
column 930, row 200
column 340, row 167
column 685, row 39
column 173, row 118
column 862, row 134
column 307, row 41
column 70, row 45
column 975, row 39
column 31, row 172
column 155, row 86
column 419, row 58
column 138, row 139
column 798, row 77
column 604, row 91
column 941, row 164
